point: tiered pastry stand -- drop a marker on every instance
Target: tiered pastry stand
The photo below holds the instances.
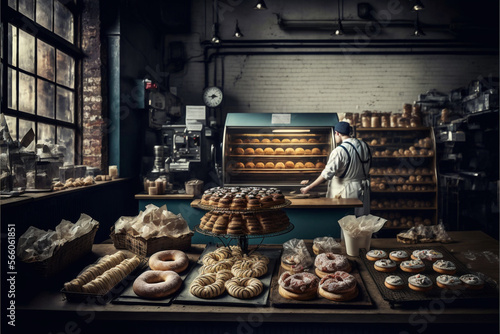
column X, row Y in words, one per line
column 243, row 238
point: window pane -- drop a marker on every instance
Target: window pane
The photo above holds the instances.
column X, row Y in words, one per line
column 12, row 45
column 45, row 60
column 11, row 123
column 12, row 3
column 44, row 13
column 24, row 127
column 64, row 105
column 66, row 138
column 63, row 21
column 26, row 51
column 26, row 93
column 45, row 99
column 11, row 88
column 65, row 70
column 26, row 8
column 46, row 134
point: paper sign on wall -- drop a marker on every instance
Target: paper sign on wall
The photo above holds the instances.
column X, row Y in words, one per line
column 281, row 118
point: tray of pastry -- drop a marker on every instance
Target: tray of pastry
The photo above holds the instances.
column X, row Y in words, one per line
column 225, row 299
column 407, row 297
column 362, row 300
column 103, row 280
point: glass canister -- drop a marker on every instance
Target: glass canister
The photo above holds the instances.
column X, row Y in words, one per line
column 375, row 121
column 365, row 121
column 385, row 121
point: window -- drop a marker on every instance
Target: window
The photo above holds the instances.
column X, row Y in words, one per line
column 39, row 71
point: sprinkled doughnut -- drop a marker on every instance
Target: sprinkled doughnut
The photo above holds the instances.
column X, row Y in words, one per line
column 249, row 269
column 207, row 286
column 157, row 284
column 174, row 260
column 244, row 287
column 326, row 263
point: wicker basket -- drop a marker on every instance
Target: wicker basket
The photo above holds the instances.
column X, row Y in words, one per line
column 65, row 255
column 143, row 247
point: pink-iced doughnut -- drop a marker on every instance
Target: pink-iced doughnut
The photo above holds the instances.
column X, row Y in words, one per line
column 174, row 260
column 339, row 282
column 326, row 263
column 157, row 284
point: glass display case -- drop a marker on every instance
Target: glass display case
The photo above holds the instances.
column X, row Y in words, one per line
column 276, row 150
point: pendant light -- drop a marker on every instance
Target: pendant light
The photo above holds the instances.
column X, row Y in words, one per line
column 237, row 31
column 418, row 6
column 418, row 31
column 340, row 28
column 215, row 27
column 260, row 5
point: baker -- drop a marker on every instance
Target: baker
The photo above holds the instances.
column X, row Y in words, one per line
column 347, row 169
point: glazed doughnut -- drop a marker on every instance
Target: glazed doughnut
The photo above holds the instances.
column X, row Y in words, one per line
column 207, row 286
column 419, row 283
column 339, row 286
column 412, row 266
column 156, row 284
column 326, row 263
column 394, row 282
column 426, row 254
column 244, row 287
column 444, row 267
column 448, row 282
column 376, row 254
column 385, row 265
column 249, row 268
column 472, row 282
column 301, row 286
column 399, row 256
column 174, row 260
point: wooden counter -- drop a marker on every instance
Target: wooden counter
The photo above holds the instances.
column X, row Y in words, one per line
column 47, row 307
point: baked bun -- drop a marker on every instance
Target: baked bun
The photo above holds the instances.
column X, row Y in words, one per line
column 239, row 165
column 320, row 165
column 299, row 165
column 268, row 151
column 259, row 151
column 279, row 165
column 303, row 140
column 237, row 141
column 279, row 150
column 308, row 151
column 289, row 164
column 309, row 165
column 246, row 140
column 239, row 151
column 316, row 151
column 249, row 151
column 312, row 140
column 259, row 165
column 265, row 140
column 275, row 140
column 290, row 151
column 249, row 165
column 299, row 151
column 269, row 164
column 294, row 140
column 286, row 140
column 255, row 140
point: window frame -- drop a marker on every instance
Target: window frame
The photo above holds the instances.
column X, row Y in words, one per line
column 15, row 18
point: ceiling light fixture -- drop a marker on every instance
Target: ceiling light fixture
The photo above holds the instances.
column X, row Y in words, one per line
column 340, row 28
column 418, row 6
column 260, row 5
column 418, row 31
column 237, row 31
column 215, row 27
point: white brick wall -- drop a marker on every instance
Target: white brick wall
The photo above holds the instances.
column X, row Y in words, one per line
column 337, row 83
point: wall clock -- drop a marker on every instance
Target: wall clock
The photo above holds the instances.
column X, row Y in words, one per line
column 212, row 96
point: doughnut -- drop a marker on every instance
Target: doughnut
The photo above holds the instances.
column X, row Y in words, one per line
column 174, row 260
column 244, row 287
column 385, row 265
column 412, row 266
column 301, row 286
column 256, row 257
column 156, row 284
column 394, row 282
column 224, row 275
column 244, row 268
column 216, row 267
column 444, row 267
column 426, row 254
column 326, row 263
column 448, row 282
column 207, row 286
column 339, row 286
column 376, row 254
column 291, row 263
column 399, row 256
column 472, row 282
column 420, row 283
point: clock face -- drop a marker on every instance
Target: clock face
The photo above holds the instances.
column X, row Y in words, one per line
column 212, row 96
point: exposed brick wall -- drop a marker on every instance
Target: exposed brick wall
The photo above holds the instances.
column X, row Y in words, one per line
column 94, row 77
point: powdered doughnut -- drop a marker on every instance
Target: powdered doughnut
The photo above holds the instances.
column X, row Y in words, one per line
column 207, row 286
column 244, row 287
column 157, row 284
column 340, row 286
column 326, row 263
column 174, row 260
column 301, row 286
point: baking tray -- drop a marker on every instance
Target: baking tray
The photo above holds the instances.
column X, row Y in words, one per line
column 410, row 298
column 363, row 299
column 115, row 291
column 185, row 297
column 129, row 297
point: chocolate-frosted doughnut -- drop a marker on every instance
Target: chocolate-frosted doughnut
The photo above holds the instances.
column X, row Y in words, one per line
column 157, row 284
column 244, row 287
column 174, row 260
column 207, row 286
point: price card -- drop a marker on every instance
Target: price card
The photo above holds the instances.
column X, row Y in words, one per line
column 281, row 118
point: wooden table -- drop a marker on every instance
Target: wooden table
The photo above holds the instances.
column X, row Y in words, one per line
column 48, row 309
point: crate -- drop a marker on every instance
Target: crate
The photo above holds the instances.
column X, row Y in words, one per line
column 65, row 255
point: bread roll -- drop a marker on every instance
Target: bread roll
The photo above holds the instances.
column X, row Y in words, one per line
column 299, row 151
column 249, row 151
column 250, row 165
column 239, row 151
column 269, row 164
column 299, row 165
column 239, row 165
column 312, row 140
column 279, row 165
column 265, row 140
column 294, row 140
column 279, row 150
column 286, row 140
column 255, row 140
column 308, row 151
column 309, row 165
column 289, row 151
column 289, row 164
column 237, row 141
column 320, row 165
column 268, row 151
column 276, row 140
column 303, row 140
column 316, row 151
column 259, row 165
column 259, row 151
